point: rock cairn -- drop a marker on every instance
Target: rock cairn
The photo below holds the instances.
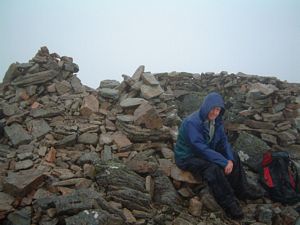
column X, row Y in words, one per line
column 70, row 154
column 264, row 110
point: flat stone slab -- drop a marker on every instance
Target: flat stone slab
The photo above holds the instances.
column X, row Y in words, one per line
column 149, row 79
column 184, row 176
column 24, row 164
column 21, row 183
column 109, row 93
column 36, row 78
column 39, row 128
column 77, row 201
column 149, row 92
column 127, row 118
column 132, row 102
column 44, row 113
column 109, row 84
column 17, row 134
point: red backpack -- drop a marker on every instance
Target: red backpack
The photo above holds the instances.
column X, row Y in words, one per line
column 279, row 176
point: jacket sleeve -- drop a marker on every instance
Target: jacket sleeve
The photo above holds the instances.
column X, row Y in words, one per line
column 198, row 143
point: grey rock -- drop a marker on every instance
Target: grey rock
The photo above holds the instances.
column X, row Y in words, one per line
column 20, row 217
column 139, row 134
column 286, row 138
column 25, row 155
column 142, row 166
column 278, row 107
column 149, row 92
column 289, row 214
column 188, row 103
column 259, row 124
column 116, row 174
column 76, row 85
column 74, row 182
column 263, row 88
column 272, row 117
column 63, row 87
column 149, row 79
column 46, row 220
column 39, row 128
column 71, row 67
column 210, row 203
column 6, row 201
column 105, row 139
column 94, row 217
column 186, row 219
column 36, row 78
column 77, row 201
column 250, row 149
column 10, row 109
column 128, row 118
column 264, row 214
column 165, row 192
column 5, row 150
column 89, row 171
column 17, row 134
column 111, row 84
column 23, row 165
column 47, row 112
column 88, row 138
column 106, row 153
column 34, row 69
column 31, row 90
column 69, row 140
column 132, row 102
column 138, row 73
column 23, row 182
column 109, row 93
column 89, row 157
column 11, row 73
column 131, row 199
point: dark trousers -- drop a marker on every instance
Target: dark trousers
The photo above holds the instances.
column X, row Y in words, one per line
column 225, row 188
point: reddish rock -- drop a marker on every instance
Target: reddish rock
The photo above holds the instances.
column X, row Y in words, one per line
column 121, row 141
column 21, row 183
column 89, row 105
column 51, row 155
column 146, row 115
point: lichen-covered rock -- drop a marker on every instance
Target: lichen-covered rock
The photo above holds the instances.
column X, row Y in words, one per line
column 250, row 149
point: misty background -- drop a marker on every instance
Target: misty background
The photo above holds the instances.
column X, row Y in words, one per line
column 108, row 38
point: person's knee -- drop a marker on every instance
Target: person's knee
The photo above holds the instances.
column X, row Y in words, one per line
column 213, row 173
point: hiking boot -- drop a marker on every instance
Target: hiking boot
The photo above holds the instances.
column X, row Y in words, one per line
column 234, row 211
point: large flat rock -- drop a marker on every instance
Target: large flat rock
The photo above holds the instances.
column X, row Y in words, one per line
column 21, row 183
column 17, row 134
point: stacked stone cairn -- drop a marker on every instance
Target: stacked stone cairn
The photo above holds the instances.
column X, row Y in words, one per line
column 70, row 154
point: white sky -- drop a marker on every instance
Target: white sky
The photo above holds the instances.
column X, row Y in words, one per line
column 108, row 38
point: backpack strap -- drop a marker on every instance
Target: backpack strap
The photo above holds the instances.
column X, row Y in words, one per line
column 294, row 170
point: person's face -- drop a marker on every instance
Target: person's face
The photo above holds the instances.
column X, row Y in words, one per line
column 213, row 114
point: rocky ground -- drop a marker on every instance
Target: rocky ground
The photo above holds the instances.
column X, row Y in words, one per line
column 70, row 154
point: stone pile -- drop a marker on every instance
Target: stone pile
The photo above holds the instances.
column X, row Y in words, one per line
column 261, row 111
column 70, row 154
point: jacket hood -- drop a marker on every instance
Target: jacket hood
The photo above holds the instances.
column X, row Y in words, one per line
column 210, row 101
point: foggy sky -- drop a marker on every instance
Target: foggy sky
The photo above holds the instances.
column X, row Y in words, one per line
column 108, row 38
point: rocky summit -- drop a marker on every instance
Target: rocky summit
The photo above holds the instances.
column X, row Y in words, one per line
column 72, row 155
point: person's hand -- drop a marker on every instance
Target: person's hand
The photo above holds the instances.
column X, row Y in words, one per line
column 228, row 168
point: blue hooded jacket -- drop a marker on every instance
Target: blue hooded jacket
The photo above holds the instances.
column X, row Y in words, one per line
column 193, row 136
